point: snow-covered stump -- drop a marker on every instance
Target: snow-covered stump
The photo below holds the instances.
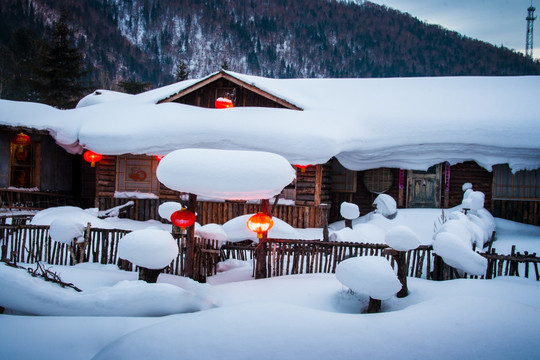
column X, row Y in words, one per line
column 151, row 250
column 75, row 235
column 402, row 239
column 370, row 275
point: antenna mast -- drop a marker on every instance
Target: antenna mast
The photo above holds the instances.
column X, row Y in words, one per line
column 530, row 20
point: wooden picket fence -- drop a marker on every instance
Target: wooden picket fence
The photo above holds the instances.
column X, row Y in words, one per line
column 31, row 243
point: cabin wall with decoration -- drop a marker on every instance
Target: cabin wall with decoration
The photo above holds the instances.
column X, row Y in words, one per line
column 207, row 95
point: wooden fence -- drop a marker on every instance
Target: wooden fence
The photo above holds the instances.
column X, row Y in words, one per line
column 221, row 212
column 31, row 243
column 24, row 199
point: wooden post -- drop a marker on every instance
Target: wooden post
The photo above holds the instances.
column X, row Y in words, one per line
column 374, row 306
column 401, row 262
column 261, row 249
column 189, row 270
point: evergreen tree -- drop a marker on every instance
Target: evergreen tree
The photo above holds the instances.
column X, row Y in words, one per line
column 182, row 72
column 17, row 61
column 61, row 69
column 133, row 86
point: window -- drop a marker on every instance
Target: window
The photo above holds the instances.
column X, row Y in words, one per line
column 23, row 171
column 379, row 180
column 137, row 173
column 343, row 180
column 523, row 185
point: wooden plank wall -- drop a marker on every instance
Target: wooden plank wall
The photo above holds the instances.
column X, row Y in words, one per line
column 469, row 172
column 206, row 96
column 362, row 197
column 527, row 212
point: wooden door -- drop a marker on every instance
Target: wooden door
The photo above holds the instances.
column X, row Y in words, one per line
column 424, row 188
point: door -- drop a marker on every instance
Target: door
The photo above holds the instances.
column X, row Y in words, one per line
column 424, row 188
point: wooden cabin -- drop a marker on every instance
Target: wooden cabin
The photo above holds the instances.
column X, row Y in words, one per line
column 312, row 200
column 315, row 197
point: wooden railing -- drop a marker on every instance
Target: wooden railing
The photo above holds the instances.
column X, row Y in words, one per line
column 31, row 243
column 26, row 199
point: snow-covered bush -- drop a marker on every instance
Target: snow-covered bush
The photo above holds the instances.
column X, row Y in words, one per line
column 369, row 275
column 385, row 205
column 149, row 249
column 457, row 254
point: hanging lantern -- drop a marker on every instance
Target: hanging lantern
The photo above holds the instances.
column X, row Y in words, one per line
column 159, row 157
column 260, row 223
column 92, row 157
column 302, row 167
column 183, row 218
column 20, row 140
column 223, row 103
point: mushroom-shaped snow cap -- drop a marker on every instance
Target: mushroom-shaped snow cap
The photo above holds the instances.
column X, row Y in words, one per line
column 226, row 174
column 148, row 248
column 166, row 209
column 370, row 275
column 65, row 231
column 349, row 210
column 402, row 238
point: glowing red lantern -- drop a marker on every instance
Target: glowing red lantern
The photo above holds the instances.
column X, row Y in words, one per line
column 223, row 103
column 92, row 157
column 302, row 167
column 159, row 157
column 183, row 218
column 20, row 140
column 260, row 223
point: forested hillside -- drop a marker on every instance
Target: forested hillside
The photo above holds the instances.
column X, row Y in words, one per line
column 146, row 40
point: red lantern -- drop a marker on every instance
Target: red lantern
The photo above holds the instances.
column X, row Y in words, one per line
column 20, row 140
column 260, row 223
column 92, row 157
column 159, row 157
column 302, row 167
column 223, row 103
column 183, row 218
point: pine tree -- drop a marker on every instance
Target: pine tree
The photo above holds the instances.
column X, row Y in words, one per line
column 182, row 72
column 61, row 68
column 133, row 86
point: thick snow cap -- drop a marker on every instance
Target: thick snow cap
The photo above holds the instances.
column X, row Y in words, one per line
column 226, row 174
column 370, row 275
column 149, row 248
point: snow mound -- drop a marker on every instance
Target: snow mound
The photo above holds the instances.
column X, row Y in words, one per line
column 402, row 238
column 72, row 213
column 166, row 209
column 226, row 174
column 385, row 205
column 349, row 211
column 66, row 231
column 360, row 233
column 458, row 255
column 236, row 230
column 370, row 275
column 212, row 231
column 149, row 248
column 34, row 296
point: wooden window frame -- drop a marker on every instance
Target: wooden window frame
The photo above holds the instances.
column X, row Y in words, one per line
column 523, row 185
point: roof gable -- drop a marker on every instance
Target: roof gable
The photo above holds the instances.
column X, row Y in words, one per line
column 272, row 100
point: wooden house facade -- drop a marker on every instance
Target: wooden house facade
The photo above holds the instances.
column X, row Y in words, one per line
column 312, row 200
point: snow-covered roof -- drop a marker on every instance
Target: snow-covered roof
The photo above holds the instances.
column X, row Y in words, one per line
column 366, row 123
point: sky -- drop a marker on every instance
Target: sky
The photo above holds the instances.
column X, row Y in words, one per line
column 499, row 22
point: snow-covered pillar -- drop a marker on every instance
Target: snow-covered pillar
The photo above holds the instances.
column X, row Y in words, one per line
column 189, row 270
column 261, row 249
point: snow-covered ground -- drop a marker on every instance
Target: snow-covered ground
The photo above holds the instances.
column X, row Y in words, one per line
column 291, row 317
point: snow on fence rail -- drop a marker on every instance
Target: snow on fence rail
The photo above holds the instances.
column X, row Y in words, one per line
column 31, row 243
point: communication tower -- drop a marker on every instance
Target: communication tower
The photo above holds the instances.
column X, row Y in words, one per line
column 530, row 20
